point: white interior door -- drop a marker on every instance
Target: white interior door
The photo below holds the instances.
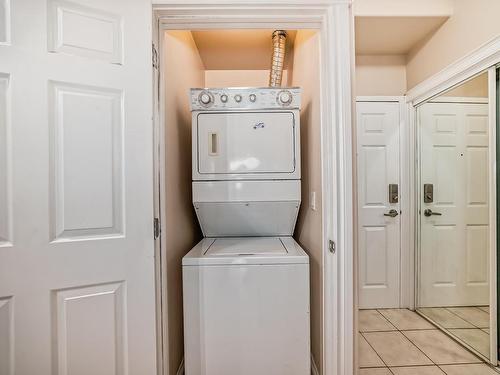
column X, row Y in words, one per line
column 454, row 246
column 76, row 248
column 378, row 234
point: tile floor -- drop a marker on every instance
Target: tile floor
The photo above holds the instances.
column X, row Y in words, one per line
column 400, row 342
column 470, row 324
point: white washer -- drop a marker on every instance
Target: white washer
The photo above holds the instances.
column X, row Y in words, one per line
column 246, row 307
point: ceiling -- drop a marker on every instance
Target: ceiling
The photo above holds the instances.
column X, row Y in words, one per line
column 238, row 49
column 393, row 35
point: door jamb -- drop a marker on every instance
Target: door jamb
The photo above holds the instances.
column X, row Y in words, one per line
column 406, row 263
column 334, row 20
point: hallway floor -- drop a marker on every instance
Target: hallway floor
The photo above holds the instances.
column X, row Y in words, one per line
column 400, row 342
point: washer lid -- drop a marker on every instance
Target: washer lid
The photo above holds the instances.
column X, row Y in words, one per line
column 246, row 246
column 245, row 250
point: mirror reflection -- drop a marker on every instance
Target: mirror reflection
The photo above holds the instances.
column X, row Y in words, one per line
column 454, row 185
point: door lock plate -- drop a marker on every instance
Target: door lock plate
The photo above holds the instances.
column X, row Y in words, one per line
column 393, row 193
column 428, row 193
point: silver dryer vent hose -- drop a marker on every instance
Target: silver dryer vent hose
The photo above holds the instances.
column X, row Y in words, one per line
column 278, row 59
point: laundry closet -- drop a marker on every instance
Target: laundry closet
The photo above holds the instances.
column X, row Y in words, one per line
column 219, row 59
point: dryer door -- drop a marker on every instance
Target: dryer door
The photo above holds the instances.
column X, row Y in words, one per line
column 246, row 143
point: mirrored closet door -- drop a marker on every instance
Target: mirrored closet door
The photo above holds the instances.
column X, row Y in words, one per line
column 456, row 222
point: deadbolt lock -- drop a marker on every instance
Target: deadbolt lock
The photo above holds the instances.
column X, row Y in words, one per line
column 393, row 193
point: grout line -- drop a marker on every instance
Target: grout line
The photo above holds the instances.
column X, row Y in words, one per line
column 378, row 355
column 413, row 343
column 465, row 320
column 383, row 316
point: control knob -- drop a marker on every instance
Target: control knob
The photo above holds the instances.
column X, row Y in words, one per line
column 237, row 98
column 285, row 97
column 223, row 98
column 205, row 98
column 252, row 98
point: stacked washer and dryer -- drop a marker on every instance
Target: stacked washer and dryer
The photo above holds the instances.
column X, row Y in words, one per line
column 246, row 284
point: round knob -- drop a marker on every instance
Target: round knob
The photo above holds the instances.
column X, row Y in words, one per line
column 238, row 98
column 223, row 98
column 205, row 98
column 285, row 97
column 252, row 97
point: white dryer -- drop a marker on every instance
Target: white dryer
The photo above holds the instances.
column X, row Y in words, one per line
column 246, row 284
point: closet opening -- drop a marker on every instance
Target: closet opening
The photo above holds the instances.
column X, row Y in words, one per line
column 217, row 59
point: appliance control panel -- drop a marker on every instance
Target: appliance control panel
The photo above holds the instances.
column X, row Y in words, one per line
column 234, row 98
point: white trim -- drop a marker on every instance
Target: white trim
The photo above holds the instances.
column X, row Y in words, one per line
column 390, row 99
column 492, row 117
column 472, row 64
column 334, row 20
column 459, row 99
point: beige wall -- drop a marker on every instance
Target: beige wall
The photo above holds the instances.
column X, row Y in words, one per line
column 476, row 88
column 309, row 225
column 472, row 24
column 240, row 78
column 380, row 75
column 183, row 70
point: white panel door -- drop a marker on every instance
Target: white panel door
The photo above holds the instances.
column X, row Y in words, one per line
column 454, row 245
column 378, row 234
column 76, row 248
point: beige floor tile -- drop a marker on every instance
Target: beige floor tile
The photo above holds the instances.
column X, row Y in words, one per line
column 476, row 338
column 367, row 356
column 373, row 321
column 395, row 349
column 473, row 315
column 374, row 371
column 444, row 318
column 417, row 370
column 440, row 348
column 486, row 309
column 469, row 370
column 404, row 319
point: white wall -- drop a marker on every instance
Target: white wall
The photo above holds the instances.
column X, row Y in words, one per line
column 472, row 24
column 183, row 70
column 308, row 232
column 380, row 75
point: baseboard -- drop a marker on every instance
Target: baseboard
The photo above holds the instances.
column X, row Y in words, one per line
column 314, row 368
column 180, row 370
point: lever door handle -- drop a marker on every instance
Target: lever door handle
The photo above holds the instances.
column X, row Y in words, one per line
column 392, row 213
column 428, row 212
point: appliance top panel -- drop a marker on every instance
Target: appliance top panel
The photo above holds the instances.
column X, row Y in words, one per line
column 245, row 98
column 234, row 251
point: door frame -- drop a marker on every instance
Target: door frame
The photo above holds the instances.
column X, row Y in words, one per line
column 484, row 58
column 406, row 284
column 334, row 21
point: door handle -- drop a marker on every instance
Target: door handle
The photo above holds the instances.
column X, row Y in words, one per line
column 392, row 213
column 428, row 212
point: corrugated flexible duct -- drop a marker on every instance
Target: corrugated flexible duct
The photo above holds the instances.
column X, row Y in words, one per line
column 278, row 59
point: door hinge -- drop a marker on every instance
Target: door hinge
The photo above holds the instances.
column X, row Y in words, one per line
column 331, row 246
column 154, row 56
column 156, row 228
